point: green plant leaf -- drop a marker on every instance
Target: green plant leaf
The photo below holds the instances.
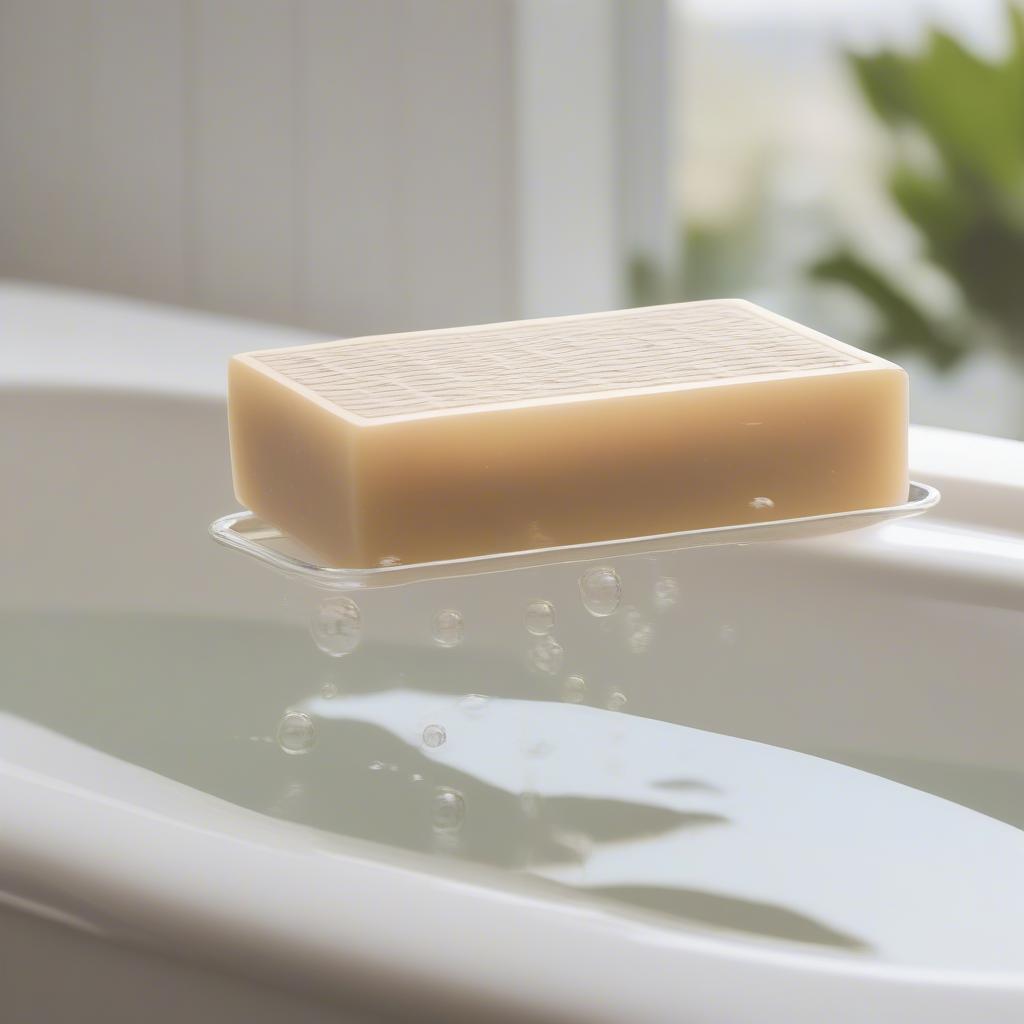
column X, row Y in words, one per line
column 902, row 323
column 967, row 206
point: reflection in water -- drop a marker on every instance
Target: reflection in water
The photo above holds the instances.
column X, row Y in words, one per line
column 448, row 628
column 721, row 911
column 369, row 793
column 623, row 809
column 434, row 736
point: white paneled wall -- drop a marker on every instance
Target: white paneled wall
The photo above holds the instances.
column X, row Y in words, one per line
column 244, row 155
column 346, row 165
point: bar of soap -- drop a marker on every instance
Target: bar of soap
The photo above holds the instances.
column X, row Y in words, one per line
column 452, row 443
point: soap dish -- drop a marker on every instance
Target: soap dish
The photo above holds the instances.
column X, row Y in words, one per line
column 247, row 533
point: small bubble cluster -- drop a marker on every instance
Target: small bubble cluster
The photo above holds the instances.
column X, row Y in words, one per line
column 761, row 503
column 328, row 691
column 666, row 593
column 616, row 700
column 296, row 733
column 601, row 590
column 448, row 628
column 639, row 632
column 389, row 561
column 640, row 639
column 540, row 617
column 337, row 626
column 547, row 656
column 574, row 689
column 434, row 736
column 447, row 809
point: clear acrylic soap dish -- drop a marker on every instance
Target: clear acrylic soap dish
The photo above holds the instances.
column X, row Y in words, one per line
column 246, row 532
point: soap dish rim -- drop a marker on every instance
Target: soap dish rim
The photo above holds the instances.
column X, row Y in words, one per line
column 253, row 542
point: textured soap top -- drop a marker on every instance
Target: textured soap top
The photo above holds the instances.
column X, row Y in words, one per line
column 542, row 360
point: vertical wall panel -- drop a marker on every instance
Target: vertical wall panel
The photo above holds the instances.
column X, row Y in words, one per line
column 345, row 165
column 137, row 167
column 568, row 190
column 649, row 227
column 458, row 72
column 350, row 140
column 242, row 156
column 45, row 119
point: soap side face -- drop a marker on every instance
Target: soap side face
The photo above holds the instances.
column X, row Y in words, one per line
column 292, row 461
column 519, row 479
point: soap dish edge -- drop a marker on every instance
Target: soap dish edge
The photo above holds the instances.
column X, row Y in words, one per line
column 245, row 532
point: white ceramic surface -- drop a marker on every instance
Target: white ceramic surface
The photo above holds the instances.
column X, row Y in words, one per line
column 125, row 891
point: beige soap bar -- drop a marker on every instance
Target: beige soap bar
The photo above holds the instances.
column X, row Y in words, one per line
column 451, row 443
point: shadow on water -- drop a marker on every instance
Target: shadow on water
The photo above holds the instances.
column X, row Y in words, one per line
column 200, row 699
column 685, row 786
column 377, row 787
column 750, row 917
column 195, row 700
column 503, row 829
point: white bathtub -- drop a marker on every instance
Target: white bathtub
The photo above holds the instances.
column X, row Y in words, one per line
column 147, row 870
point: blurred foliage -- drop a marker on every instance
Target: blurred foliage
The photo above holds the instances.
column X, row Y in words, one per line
column 965, row 113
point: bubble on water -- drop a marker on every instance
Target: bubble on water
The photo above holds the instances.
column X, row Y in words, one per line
column 616, row 700
column 447, row 810
column 388, row 561
column 448, row 628
column 547, row 656
column 639, row 632
column 296, row 733
column 601, row 589
column 328, row 690
column 336, row 626
column 415, row 777
column 640, row 638
column 666, row 593
column 376, row 766
column 762, row 503
column 434, row 736
column 540, row 617
column 728, row 634
column 575, row 689
column 474, row 704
